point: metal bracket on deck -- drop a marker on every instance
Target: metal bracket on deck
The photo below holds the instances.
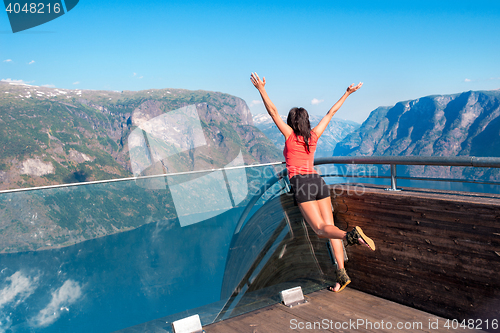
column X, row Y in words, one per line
column 292, row 297
column 188, row 325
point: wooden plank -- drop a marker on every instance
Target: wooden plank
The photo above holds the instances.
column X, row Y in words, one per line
column 348, row 311
column 270, row 319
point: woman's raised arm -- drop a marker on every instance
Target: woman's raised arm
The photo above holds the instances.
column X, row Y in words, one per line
column 320, row 128
column 270, row 107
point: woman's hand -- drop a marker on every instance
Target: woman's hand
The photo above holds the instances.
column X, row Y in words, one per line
column 270, row 107
column 353, row 88
column 257, row 82
column 320, row 128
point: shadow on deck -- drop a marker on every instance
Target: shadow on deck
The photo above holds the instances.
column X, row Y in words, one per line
column 348, row 311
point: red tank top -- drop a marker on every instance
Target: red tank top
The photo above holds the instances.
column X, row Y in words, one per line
column 298, row 160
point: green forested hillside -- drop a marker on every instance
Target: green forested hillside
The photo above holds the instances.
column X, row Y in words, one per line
column 54, row 136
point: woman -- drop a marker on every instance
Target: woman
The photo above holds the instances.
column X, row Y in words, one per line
column 310, row 191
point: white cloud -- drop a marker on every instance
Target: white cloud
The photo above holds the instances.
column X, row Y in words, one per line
column 8, row 60
column 140, row 77
column 255, row 102
column 31, row 62
column 16, row 82
column 69, row 293
column 467, row 80
column 134, row 74
column 16, row 289
column 48, row 86
column 77, row 82
column 20, row 288
column 316, row 101
column 12, row 81
column 5, row 323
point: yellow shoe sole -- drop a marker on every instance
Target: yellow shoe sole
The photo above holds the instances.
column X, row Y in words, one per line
column 342, row 287
column 366, row 239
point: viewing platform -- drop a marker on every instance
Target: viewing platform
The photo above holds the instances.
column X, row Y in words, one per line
column 435, row 268
column 135, row 255
column 438, row 251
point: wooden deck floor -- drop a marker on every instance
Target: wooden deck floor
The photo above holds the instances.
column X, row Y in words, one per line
column 347, row 311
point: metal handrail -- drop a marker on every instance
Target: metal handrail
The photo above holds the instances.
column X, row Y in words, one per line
column 393, row 161
column 466, row 161
column 114, row 180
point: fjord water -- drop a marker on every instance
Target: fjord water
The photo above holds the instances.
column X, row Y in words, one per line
column 409, row 183
column 120, row 280
column 125, row 278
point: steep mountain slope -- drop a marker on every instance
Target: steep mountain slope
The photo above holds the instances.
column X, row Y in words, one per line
column 53, row 136
column 334, row 133
column 466, row 124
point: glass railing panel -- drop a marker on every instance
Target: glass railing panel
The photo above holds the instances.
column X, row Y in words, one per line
column 110, row 256
column 73, row 281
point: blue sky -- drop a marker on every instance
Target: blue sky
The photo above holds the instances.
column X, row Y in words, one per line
column 309, row 51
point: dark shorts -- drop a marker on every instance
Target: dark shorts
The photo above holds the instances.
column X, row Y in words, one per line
column 309, row 187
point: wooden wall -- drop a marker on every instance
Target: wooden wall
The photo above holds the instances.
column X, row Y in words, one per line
column 436, row 251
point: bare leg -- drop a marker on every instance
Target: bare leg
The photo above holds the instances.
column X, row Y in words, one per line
column 313, row 215
column 325, row 208
column 320, row 217
column 338, row 252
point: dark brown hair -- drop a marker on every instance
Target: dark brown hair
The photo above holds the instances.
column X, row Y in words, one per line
column 298, row 120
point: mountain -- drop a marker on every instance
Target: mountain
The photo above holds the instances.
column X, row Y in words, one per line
column 465, row 124
column 334, row 133
column 53, row 136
